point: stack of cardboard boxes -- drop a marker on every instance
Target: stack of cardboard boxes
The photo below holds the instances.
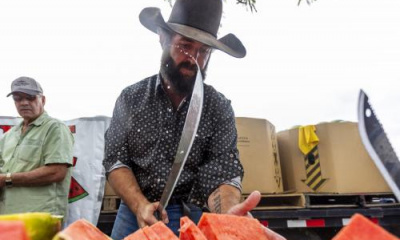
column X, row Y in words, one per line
column 273, row 163
column 259, row 155
column 345, row 166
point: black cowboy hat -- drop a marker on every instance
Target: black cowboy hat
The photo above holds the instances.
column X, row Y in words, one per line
column 195, row 19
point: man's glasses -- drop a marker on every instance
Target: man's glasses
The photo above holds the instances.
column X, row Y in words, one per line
column 189, row 50
column 19, row 98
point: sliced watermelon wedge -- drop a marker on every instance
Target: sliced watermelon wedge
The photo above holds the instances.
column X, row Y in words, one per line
column 189, row 230
column 83, row 230
column 361, row 228
column 150, row 233
column 224, row 226
column 163, row 231
column 138, row 235
column 14, row 230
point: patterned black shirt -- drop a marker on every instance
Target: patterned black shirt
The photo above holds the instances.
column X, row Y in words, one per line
column 145, row 131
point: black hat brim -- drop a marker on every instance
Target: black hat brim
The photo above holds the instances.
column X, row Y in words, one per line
column 152, row 19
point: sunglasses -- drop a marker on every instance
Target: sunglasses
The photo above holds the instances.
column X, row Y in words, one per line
column 189, row 50
column 19, row 98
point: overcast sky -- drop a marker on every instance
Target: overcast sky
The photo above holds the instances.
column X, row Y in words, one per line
column 305, row 64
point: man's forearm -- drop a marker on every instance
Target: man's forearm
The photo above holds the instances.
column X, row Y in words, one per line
column 38, row 177
column 125, row 185
column 223, row 198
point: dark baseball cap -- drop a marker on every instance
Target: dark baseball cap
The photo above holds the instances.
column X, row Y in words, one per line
column 26, row 85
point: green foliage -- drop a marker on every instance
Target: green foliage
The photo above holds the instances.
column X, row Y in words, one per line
column 247, row 3
column 251, row 3
column 308, row 2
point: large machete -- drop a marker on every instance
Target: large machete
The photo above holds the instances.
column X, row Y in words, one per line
column 185, row 144
column 377, row 144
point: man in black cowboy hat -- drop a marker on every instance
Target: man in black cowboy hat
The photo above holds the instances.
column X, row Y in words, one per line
column 148, row 119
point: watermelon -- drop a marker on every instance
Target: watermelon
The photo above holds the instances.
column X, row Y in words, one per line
column 39, row 226
column 138, row 235
column 361, row 228
column 157, row 231
column 76, row 191
column 81, row 230
column 150, row 233
column 163, row 231
column 230, row 227
column 189, row 230
column 13, row 230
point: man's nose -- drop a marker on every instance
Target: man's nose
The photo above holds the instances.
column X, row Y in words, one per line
column 24, row 101
column 192, row 53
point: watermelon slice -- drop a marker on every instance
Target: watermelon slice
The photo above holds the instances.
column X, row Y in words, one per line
column 138, row 235
column 13, row 230
column 76, row 191
column 82, row 230
column 361, row 228
column 163, row 231
column 189, row 230
column 230, row 227
column 150, row 234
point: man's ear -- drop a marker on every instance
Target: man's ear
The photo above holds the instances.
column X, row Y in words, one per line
column 162, row 37
column 43, row 100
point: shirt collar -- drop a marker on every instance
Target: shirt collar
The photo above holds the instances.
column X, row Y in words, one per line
column 38, row 121
column 159, row 87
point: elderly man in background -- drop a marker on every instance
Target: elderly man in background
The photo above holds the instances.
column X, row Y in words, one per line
column 35, row 156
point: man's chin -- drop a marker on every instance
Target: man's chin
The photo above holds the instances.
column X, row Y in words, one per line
column 188, row 74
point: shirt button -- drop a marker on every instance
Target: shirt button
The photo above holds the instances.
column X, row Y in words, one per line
column 169, row 110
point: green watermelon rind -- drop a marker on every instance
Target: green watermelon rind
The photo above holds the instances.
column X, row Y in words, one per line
column 79, row 197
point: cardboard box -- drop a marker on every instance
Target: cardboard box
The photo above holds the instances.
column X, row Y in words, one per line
column 108, row 191
column 345, row 166
column 259, row 156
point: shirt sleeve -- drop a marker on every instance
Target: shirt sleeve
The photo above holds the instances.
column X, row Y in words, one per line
column 1, row 152
column 58, row 145
column 117, row 165
column 116, row 136
column 222, row 162
column 235, row 182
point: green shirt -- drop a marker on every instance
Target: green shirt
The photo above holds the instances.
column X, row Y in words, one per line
column 46, row 141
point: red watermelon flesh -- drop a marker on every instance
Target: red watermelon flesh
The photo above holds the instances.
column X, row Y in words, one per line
column 82, row 230
column 230, row 227
column 189, row 230
column 138, row 235
column 14, row 230
column 163, row 231
column 361, row 228
column 150, row 234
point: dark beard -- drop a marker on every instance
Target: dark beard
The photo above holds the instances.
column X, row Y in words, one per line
column 182, row 85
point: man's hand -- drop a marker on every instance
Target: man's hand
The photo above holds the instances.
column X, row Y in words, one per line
column 126, row 186
column 244, row 208
column 145, row 214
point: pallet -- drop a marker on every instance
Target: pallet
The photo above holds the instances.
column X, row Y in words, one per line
column 380, row 200
column 280, row 201
column 324, row 200
column 349, row 200
column 110, row 204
